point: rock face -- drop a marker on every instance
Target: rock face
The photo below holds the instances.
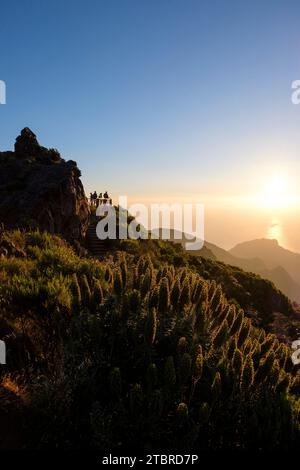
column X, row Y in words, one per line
column 26, row 144
column 40, row 189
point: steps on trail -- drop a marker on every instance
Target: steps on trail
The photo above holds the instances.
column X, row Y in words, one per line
column 96, row 246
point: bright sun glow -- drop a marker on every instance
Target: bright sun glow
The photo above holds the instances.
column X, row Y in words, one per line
column 276, row 194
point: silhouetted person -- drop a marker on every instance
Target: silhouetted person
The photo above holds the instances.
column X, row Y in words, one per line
column 105, row 196
column 94, row 198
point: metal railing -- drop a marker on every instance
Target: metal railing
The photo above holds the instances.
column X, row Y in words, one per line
column 98, row 201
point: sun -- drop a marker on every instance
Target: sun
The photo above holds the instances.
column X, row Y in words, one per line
column 276, row 193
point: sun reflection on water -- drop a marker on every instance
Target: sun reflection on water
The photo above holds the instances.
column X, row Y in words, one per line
column 275, row 231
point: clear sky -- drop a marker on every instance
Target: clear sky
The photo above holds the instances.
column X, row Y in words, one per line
column 157, row 98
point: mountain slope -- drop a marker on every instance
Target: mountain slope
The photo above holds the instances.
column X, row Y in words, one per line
column 277, row 274
column 141, row 350
column 253, row 293
column 271, row 253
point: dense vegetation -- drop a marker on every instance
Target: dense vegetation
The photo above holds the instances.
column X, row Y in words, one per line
column 144, row 349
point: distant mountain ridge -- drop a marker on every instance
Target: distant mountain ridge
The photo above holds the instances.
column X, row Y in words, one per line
column 282, row 264
column 271, row 253
column 264, row 257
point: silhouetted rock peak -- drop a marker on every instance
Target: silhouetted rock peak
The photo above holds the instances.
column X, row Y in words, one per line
column 26, row 144
column 39, row 189
column 28, row 147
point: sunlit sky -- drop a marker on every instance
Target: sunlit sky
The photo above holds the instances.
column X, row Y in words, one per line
column 181, row 100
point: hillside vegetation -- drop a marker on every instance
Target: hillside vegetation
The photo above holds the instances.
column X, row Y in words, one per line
column 145, row 349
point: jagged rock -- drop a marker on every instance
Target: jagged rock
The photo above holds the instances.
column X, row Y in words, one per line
column 27, row 147
column 38, row 189
column 26, row 144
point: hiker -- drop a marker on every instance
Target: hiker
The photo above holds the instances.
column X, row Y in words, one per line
column 105, row 196
column 95, row 198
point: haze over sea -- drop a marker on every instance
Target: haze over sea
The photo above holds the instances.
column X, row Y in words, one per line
column 227, row 223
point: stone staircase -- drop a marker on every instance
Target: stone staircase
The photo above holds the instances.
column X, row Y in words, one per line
column 96, row 246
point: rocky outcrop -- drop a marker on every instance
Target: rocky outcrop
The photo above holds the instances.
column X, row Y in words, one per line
column 27, row 147
column 26, row 144
column 40, row 189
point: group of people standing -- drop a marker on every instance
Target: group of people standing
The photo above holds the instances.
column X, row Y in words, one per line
column 102, row 198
